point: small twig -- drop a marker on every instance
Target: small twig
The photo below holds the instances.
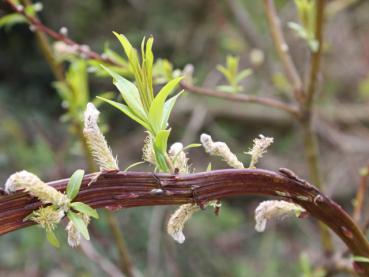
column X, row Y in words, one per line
column 283, row 49
column 38, row 25
column 316, row 55
column 360, row 195
column 125, row 259
column 242, row 98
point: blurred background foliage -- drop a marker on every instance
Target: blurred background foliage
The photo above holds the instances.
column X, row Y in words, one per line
column 35, row 133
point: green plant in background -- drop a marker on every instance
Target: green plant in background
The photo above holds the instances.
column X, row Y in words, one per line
column 306, row 11
column 149, row 110
column 233, row 75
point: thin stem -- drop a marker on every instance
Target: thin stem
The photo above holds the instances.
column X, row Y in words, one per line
column 316, row 55
column 312, row 156
column 125, row 259
column 242, row 98
column 39, row 26
column 133, row 189
column 44, row 45
column 360, row 195
column 282, row 48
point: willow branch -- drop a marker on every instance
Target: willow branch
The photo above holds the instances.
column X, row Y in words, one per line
column 134, row 189
column 242, row 98
column 282, row 48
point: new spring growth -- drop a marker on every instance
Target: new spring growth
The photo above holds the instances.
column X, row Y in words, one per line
column 178, row 220
column 31, row 184
column 148, row 154
column 220, row 149
column 47, row 217
column 96, row 140
column 274, row 209
column 259, row 149
column 74, row 236
column 178, row 157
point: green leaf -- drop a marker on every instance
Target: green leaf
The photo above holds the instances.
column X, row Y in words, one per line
column 161, row 140
column 168, row 107
column 52, row 239
column 129, row 93
column 192, row 145
column 149, row 61
column 243, row 74
column 360, row 259
column 225, row 72
column 160, row 149
column 133, row 165
column 157, row 105
column 127, row 111
column 8, row 21
column 300, row 30
column 74, row 184
column 208, row 168
column 160, row 160
column 127, row 47
column 85, row 209
column 79, row 223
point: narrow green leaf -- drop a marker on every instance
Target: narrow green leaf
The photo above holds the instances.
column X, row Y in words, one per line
column 149, row 62
column 85, row 209
column 360, row 259
column 192, row 145
column 10, row 20
column 133, row 165
column 79, row 223
column 129, row 93
column 225, row 72
column 243, row 74
column 74, row 184
column 208, row 168
column 161, row 140
column 127, row 47
column 160, row 159
column 157, row 105
column 127, row 111
column 52, row 239
column 168, row 107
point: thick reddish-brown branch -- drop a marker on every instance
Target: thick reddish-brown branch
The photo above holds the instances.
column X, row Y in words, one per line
column 134, row 189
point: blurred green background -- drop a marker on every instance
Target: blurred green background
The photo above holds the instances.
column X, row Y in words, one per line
column 202, row 33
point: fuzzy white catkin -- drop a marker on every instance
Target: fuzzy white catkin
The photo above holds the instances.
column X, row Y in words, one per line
column 30, row 183
column 178, row 157
column 96, row 140
column 178, row 220
column 273, row 209
column 148, row 154
column 220, row 149
column 258, row 149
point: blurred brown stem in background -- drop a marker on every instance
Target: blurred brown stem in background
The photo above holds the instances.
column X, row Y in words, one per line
column 360, row 194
